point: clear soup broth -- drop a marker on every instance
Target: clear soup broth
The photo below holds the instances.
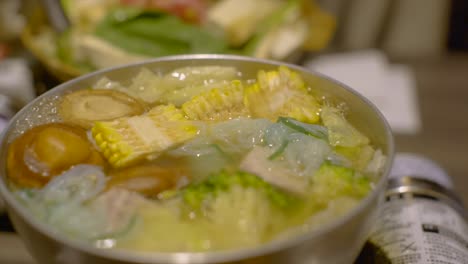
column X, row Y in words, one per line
column 200, row 158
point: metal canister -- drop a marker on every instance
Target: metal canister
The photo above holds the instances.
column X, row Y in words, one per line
column 421, row 221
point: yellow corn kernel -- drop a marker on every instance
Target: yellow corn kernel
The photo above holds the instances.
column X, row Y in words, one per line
column 217, row 104
column 281, row 93
column 125, row 140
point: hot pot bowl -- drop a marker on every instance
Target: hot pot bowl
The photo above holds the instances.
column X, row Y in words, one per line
column 336, row 241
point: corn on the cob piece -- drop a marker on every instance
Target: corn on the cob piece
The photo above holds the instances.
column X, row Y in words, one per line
column 125, row 140
column 217, row 104
column 281, row 93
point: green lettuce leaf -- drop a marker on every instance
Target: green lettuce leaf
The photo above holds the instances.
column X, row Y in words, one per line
column 156, row 34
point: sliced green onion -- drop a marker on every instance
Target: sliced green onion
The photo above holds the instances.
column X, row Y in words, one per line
column 316, row 131
column 279, row 151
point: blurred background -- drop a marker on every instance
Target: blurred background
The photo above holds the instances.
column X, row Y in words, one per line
column 402, row 29
column 409, row 57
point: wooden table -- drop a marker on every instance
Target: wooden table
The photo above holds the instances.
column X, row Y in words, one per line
column 12, row 250
column 443, row 97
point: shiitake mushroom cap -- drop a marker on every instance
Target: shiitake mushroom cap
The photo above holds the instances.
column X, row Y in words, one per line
column 147, row 179
column 84, row 107
column 45, row 151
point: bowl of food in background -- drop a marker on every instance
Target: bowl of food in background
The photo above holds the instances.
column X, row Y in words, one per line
column 196, row 159
column 107, row 33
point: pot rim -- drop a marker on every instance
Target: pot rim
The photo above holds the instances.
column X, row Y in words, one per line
column 196, row 257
